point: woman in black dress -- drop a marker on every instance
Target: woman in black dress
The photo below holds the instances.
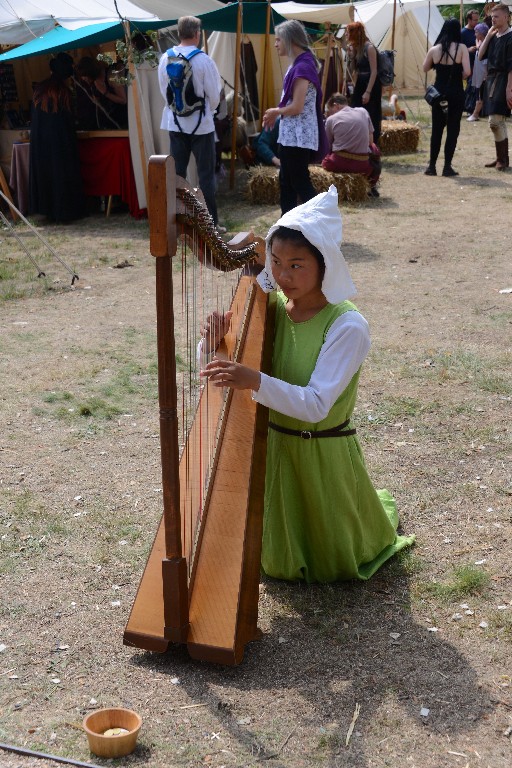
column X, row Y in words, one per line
column 55, row 184
column 362, row 71
column 450, row 60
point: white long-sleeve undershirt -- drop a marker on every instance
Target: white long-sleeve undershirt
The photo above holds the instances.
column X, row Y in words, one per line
column 346, row 345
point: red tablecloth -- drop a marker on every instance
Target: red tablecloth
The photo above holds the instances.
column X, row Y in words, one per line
column 106, row 169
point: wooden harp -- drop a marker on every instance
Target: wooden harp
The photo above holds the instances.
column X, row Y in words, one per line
column 200, row 586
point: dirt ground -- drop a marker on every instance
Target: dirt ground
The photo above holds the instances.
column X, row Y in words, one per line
column 421, row 652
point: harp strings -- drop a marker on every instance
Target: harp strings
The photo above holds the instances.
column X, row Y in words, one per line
column 202, row 290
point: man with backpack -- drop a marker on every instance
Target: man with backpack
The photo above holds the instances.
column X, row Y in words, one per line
column 190, row 84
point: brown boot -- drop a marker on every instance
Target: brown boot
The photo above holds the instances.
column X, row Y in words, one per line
column 502, row 153
column 493, row 164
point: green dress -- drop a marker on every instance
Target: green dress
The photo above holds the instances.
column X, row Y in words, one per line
column 323, row 521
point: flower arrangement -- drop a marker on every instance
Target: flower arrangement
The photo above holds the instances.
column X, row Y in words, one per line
column 134, row 49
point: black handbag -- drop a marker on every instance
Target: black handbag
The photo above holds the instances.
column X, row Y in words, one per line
column 432, row 95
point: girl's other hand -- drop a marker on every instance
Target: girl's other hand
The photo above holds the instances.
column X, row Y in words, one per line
column 215, row 328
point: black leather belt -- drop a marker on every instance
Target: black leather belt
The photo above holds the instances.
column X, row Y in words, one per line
column 338, row 431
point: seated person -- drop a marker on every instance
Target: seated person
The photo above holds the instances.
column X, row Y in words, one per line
column 266, row 146
column 350, row 134
column 101, row 103
column 223, row 122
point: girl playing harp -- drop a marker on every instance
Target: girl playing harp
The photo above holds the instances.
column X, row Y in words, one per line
column 323, row 519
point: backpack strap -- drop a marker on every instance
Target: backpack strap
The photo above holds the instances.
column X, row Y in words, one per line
column 193, row 53
column 173, row 52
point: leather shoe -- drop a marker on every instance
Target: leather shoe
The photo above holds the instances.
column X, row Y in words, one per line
column 448, row 171
column 431, row 171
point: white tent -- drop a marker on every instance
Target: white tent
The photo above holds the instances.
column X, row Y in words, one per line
column 23, row 20
column 417, row 24
column 415, row 33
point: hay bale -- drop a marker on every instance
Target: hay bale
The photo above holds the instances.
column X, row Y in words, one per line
column 398, row 137
column 352, row 187
column 263, row 184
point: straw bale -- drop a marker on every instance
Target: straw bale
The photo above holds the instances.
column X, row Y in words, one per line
column 398, row 137
column 263, row 184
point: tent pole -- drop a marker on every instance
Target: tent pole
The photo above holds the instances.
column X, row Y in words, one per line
column 5, row 187
column 235, row 96
column 136, row 105
column 266, row 56
column 461, row 13
column 393, row 27
column 327, row 60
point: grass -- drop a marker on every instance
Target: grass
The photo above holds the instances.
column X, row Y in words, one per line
column 446, row 366
column 29, row 530
column 464, row 581
column 502, row 624
column 126, row 388
column 338, row 648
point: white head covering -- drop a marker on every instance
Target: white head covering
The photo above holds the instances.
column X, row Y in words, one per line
column 319, row 220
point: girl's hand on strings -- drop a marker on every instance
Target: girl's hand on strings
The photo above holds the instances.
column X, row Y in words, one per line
column 215, row 328
column 225, row 373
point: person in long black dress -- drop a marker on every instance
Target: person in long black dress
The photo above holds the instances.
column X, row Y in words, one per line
column 55, row 185
column 450, row 60
column 362, row 70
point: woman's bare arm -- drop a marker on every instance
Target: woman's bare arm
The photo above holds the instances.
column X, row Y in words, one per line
column 429, row 60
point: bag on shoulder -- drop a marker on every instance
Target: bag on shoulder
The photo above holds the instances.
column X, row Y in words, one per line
column 181, row 96
column 386, row 67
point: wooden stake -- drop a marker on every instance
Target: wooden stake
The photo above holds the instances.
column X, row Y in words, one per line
column 136, row 105
column 327, row 60
column 393, row 27
column 266, row 66
column 234, row 125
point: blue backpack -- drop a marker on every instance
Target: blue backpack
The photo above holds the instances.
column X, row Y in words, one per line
column 181, row 96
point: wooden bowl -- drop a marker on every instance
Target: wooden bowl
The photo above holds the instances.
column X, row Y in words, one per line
column 101, row 720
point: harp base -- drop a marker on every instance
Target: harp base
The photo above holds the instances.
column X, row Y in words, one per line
column 175, row 588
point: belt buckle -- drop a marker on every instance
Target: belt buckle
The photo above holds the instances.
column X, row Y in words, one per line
column 305, row 434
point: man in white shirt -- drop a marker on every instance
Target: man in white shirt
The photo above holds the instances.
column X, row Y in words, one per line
column 350, row 134
column 193, row 132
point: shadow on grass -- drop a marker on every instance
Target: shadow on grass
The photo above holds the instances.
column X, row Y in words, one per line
column 405, row 169
column 332, row 647
column 478, row 181
column 397, row 169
